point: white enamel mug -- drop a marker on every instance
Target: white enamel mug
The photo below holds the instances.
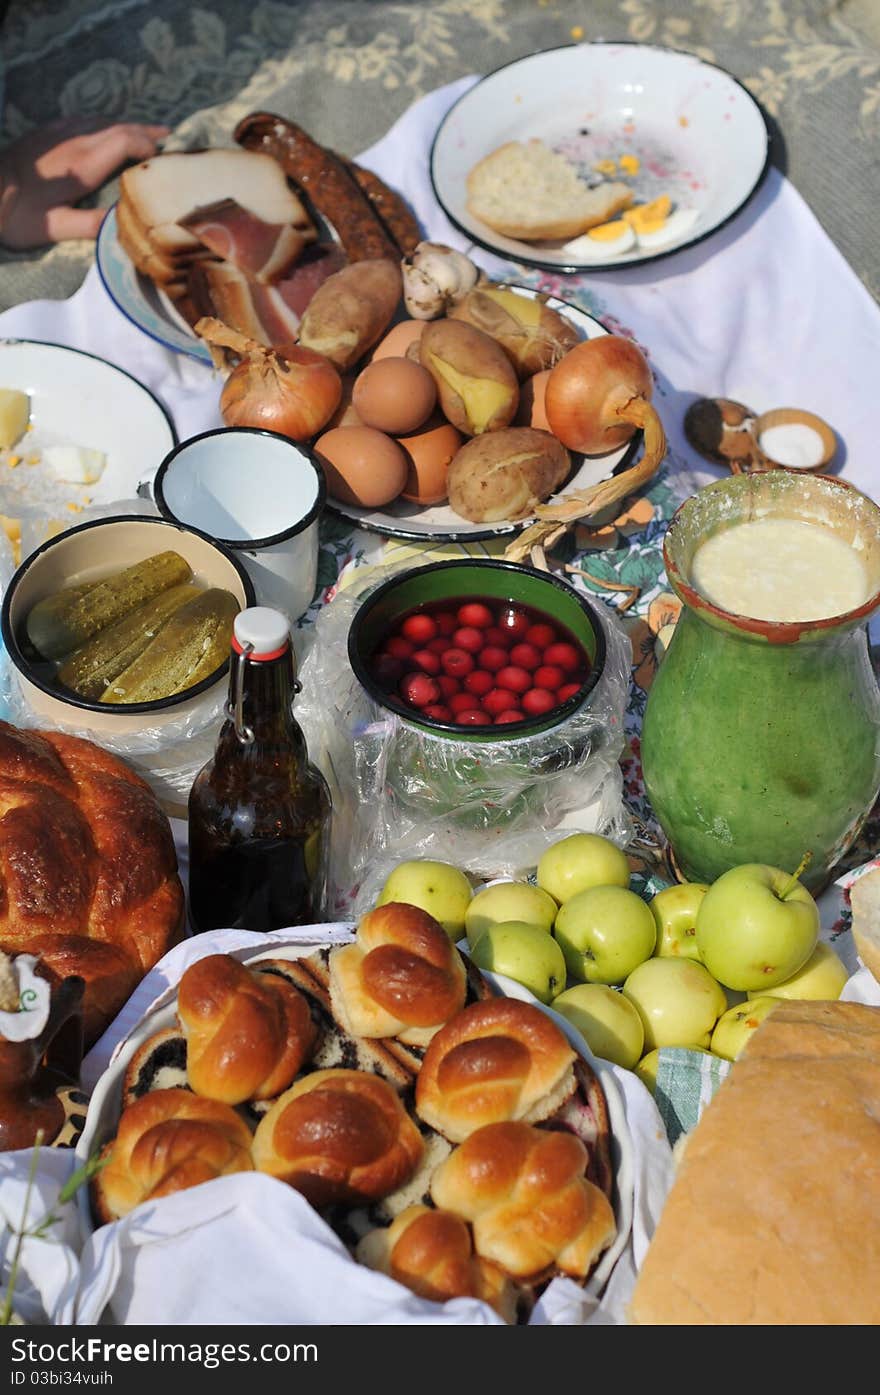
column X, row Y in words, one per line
column 261, row 495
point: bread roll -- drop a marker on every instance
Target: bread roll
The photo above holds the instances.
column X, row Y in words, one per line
column 432, row 1253
column 166, row 1141
column 339, row 1136
column 247, row 1034
column 528, row 191
column 401, row 978
column 532, row 1209
column 497, row 1060
column 774, row 1214
column 864, row 899
column 88, row 870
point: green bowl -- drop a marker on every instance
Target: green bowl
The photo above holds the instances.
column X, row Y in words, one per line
column 488, row 580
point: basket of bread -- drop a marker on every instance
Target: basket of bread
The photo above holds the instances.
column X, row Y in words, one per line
column 372, row 1114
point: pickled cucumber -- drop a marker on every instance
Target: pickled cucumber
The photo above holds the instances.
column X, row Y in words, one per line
column 189, row 647
column 62, row 622
column 93, row 668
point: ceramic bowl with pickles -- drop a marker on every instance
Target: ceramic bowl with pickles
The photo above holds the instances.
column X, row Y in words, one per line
column 122, row 623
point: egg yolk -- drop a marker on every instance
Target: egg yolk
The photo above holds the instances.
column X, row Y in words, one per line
column 607, row 232
column 630, row 164
column 647, row 217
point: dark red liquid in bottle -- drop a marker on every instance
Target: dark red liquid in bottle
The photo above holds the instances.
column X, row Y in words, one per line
column 259, row 812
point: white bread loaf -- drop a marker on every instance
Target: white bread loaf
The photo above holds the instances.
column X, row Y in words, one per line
column 864, row 899
column 774, row 1214
column 528, row 191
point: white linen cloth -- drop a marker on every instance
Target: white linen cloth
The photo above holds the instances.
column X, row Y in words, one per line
column 765, row 311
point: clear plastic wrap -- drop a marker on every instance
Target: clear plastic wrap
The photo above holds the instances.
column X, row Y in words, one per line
column 488, row 807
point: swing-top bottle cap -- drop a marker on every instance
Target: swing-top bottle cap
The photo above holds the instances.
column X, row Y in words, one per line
column 264, row 631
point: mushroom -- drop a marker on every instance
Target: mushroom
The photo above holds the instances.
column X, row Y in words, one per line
column 435, row 277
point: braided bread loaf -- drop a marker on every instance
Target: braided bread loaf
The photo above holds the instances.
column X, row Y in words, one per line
column 247, row 1034
column 401, row 978
column 166, row 1141
column 524, row 1191
column 88, row 870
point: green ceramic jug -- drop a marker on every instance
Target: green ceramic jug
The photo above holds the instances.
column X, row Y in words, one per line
column 761, row 740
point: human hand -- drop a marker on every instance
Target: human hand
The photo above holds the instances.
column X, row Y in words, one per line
column 43, row 173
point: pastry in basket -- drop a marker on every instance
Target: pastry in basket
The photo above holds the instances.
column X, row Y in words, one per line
column 432, row 1253
column 402, row 977
column 534, row 1212
column 339, row 1136
column 88, row 870
column 247, row 1035
column 169, row 1140
column 497, row 1060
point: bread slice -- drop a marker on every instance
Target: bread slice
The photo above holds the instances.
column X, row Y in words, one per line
column 528, row 191
column 774, row 1214
column 864, row 899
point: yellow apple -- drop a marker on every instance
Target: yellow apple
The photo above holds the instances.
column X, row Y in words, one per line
column 678, row 999
column 508, row 901
column 525, row 953
column 606, row 1020
column 756, row 926
column 436, row 887
column 822, row 978
column 646, row 1068
column 604, row 933
column 735, row 1026
column 580, row 861
column 675, row 911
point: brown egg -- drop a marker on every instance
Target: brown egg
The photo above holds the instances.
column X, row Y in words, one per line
column 531, row 402
column 394, row 395
column 345, row 414
column 429, row 451
column 362, row 466
column 398, row 340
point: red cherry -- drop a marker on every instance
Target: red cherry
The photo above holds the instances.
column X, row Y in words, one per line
column 540, row 635
column 514, row 678
column 537, row 701
column 448, row 686
column 476, row 614
column 479, row 682
column 567, row 691
column 399, row 647
column 472, row 717
column 462, row 702
column 456, row 662
column 438, row 711
column 525, row 656
column 499, row 700
column 495, row 635
column 548, row 676
column 493, row 657
column 468, row 639
column 516, row 622
column 513, row 715
column 427, row 662
column 438, row 645
column 446, row 622
column 419, row 628
column 418, row 689
column 565, row 656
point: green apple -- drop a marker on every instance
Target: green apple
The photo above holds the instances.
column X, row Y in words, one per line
column 822, row 978
column 580, row 861
column 525, row 953
column 678, row 999
column 646, row 1068
column 735, row 1026
column 606, row 1020
column 756, row 926
column 604, row 933
column 675, row 911
column 436, row 887
column 508, row 901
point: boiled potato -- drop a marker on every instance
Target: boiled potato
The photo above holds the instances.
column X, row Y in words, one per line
column 477, row 387
column 504, row 474
column 533, row 336
column 351, row 310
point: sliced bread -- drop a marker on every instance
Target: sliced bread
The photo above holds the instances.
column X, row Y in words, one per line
column 528, row 191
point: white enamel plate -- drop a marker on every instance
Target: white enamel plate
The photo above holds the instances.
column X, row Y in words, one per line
column 685, row 128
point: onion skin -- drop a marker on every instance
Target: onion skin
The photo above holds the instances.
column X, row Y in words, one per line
column 294, row 393
column 589, row 391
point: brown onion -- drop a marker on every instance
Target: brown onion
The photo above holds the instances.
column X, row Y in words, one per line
column 291, row 390
column 590, row 392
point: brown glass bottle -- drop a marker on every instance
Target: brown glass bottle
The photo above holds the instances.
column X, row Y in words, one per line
column 259, row 811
